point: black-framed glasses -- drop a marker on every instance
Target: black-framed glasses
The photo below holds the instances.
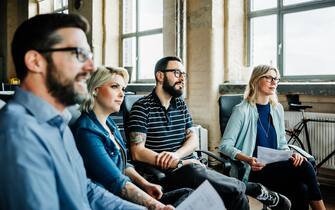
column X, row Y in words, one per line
column 81, row 54
column 270, row 79
column 177, row 72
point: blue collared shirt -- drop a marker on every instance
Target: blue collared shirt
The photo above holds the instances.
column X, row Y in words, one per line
column 40, row 165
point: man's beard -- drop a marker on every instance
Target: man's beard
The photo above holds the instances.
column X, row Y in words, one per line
column 64, row 92
column 171, row 89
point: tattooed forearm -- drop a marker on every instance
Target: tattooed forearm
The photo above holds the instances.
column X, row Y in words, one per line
column 133, row 193
column 189, row 132
column 137, row 137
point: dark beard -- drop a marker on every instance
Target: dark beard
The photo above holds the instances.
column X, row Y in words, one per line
column 64, row 93
column 171, row 89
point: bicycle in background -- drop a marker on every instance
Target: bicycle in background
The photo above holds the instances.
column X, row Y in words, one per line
column 295, row 132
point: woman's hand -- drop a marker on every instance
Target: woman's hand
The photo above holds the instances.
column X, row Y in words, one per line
column 154, row 190
column 255, row 166
column 297, row 159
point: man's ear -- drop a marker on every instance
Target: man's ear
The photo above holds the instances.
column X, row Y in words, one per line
column 159, row 76
column 34, row 61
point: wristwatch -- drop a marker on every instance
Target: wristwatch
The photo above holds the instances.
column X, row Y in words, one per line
column 180, row 164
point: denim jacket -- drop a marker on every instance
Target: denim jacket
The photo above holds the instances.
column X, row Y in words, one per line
column 241, row 131
column 104, row 162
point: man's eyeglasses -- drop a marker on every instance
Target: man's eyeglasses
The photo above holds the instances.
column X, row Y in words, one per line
column 270, row 79
column 81, row 54
column 177, row 72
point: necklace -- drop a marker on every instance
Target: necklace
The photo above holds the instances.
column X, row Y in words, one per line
column 266, row 132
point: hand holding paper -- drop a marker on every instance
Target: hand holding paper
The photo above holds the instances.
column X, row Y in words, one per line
column 267, row 155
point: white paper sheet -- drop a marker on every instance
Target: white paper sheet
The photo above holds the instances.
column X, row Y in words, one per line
column 204, row 197
column 267, row 155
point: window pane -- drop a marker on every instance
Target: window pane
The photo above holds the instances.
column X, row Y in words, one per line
column 60, row 5
column 129, row 16
column 289, row 2
column 57, row 4
column 309, row 42
column 65, row 3
column 262, row 4
column 150, row 14
column 45, row 7
column 150, row 50
column 129, row 55
column 263, row 45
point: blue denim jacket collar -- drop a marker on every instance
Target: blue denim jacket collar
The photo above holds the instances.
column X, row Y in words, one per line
column 97, row 127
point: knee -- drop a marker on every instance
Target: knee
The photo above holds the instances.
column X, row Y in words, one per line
column 238, row 188
column 302, row 191
column 307, row 165
column 307, row 170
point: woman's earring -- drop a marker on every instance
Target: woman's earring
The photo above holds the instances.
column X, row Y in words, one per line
column 94, row 93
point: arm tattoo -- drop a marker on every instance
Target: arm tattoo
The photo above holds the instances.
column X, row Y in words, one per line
column 132, row 193
column 137, row 137
column 189, row 131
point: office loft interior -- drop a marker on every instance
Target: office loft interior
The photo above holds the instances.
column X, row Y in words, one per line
column 220, row 41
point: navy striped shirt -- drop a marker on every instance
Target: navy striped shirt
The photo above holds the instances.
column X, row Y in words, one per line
column 165, row 128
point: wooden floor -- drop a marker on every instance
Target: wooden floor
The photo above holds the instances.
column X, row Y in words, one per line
column 328, row 193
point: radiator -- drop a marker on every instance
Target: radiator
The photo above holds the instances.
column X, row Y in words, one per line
column 202, row 133
column 322, row 134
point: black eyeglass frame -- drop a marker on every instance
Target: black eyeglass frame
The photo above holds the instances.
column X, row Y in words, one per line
column 81, row 54
column 270, row 79
column 177, row 72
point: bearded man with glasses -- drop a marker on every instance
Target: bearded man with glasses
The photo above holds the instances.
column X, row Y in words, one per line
column 40, row 165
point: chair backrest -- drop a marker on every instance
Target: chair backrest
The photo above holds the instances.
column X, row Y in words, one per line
column 226, row 105
column 2, row 103
column 122, row 116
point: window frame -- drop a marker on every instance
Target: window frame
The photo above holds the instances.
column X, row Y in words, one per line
column 137, row 35
column 280, row 10
column 63, row 8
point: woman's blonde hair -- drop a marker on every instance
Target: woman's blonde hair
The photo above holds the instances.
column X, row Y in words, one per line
column 100, row 77
column 251, row 91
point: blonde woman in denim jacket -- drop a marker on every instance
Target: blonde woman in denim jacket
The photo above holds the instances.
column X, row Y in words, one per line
column 259, row 121
column 101, row 145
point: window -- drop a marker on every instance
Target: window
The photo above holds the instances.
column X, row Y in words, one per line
column 294, row 35
column 61, row 6
column 48, row 6
column 142, row 37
